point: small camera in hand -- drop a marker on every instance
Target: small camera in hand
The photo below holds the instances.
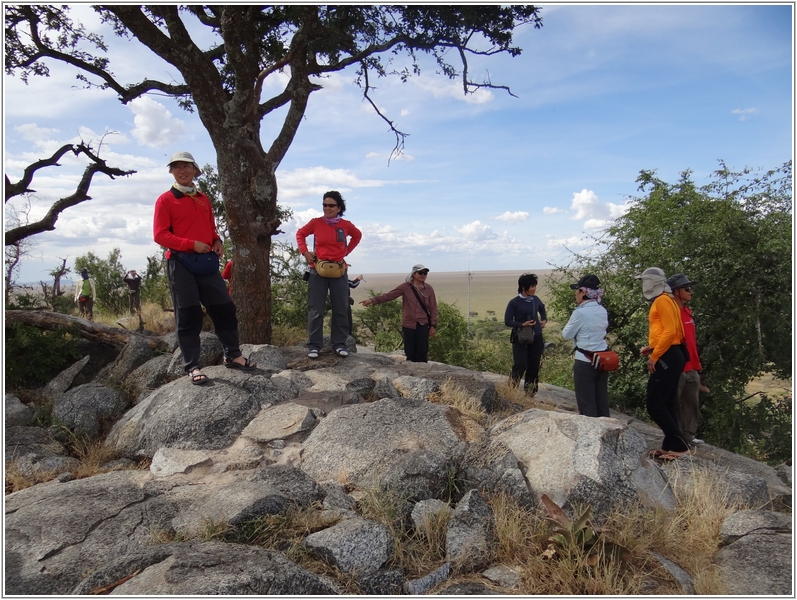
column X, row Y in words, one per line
column 306, row 275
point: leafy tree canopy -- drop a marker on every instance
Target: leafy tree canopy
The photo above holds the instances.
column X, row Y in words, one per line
column 733, row 236
column 223, row 70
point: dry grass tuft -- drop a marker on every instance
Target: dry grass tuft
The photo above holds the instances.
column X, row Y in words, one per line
column 458, row 397
column 690, row 534
column 285, row 335
column 156, row 319
column 91, row 456
column 18, row 479
column 515, row 395
column 416, row 552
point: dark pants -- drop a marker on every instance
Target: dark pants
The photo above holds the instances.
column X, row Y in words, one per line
column 662, row 393
column 351, row 319
column 135, row 301
column 317, row 289
column 87, row 308
column 592, row 389
column 189, row 291
column 527, row 360
column 688, row 407
column 416, row 342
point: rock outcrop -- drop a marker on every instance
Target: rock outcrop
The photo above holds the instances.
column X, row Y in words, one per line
column 298, row 434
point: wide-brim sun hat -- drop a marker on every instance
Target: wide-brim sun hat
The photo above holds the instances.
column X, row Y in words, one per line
column 417, row 268
column 654, row 282
column 183, row 156
column 679, row 280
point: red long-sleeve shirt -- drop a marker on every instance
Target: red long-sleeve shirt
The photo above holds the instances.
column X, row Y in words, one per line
column 328, row 246
column 180, row 220
column 693, row 364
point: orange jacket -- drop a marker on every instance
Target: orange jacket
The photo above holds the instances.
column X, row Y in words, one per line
column 665, row 324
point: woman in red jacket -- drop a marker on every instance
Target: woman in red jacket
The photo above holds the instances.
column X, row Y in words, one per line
column 334, row 239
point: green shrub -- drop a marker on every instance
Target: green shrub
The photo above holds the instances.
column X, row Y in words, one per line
column 34, row 356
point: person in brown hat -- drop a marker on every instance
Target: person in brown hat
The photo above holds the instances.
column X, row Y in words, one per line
column 418, row 313
column 184, row 225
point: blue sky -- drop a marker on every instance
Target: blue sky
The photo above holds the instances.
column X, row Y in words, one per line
column 486, row 182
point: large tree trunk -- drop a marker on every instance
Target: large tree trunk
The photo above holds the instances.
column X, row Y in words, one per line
column 249, row 187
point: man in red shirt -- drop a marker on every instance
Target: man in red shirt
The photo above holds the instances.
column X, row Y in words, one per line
column 688, row 404
column 184, row 224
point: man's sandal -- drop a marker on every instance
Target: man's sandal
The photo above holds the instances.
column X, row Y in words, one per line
column 197, row 377
column 670, row 456
column 246, row 366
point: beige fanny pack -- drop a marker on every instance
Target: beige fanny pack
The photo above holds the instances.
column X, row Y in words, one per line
column 330, row 269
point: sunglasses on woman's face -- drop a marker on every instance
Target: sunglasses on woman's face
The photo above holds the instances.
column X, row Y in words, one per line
column 422, row 272
column 329, row 205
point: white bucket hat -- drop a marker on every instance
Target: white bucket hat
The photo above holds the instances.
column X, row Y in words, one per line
column 183, row 156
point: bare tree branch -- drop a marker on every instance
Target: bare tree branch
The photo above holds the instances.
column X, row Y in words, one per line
column 400, row 136
column 21, row 187
column 47, row 223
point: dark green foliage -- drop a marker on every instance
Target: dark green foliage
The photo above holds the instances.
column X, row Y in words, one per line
column 34, row 356
column 450, row 344
column 63, row 304
column 289, row 289
column 24, row 301
column 155, row 282
column 733, row 236
column 380, row 324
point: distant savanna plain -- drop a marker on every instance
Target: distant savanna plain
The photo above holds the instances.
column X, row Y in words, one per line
column 489, row 291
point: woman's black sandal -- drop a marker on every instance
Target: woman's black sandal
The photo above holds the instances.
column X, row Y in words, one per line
column 197, row 377
column 231, row 364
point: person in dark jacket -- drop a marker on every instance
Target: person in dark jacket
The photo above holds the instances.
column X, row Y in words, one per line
column 133, row 281
column 526, row 310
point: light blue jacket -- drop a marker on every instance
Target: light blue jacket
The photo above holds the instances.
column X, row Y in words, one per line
column 587, row 328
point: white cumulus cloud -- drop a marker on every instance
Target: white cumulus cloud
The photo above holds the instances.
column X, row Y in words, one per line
column 312, row 182
column 32, row 132
column 519, row 215
column 550, row 210
column 744, row 112
column 154, row 124
column 593, row 212
column 477, row 231
column 452, row 89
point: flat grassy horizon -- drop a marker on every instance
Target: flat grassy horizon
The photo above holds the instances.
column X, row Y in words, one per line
column 489, row 290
